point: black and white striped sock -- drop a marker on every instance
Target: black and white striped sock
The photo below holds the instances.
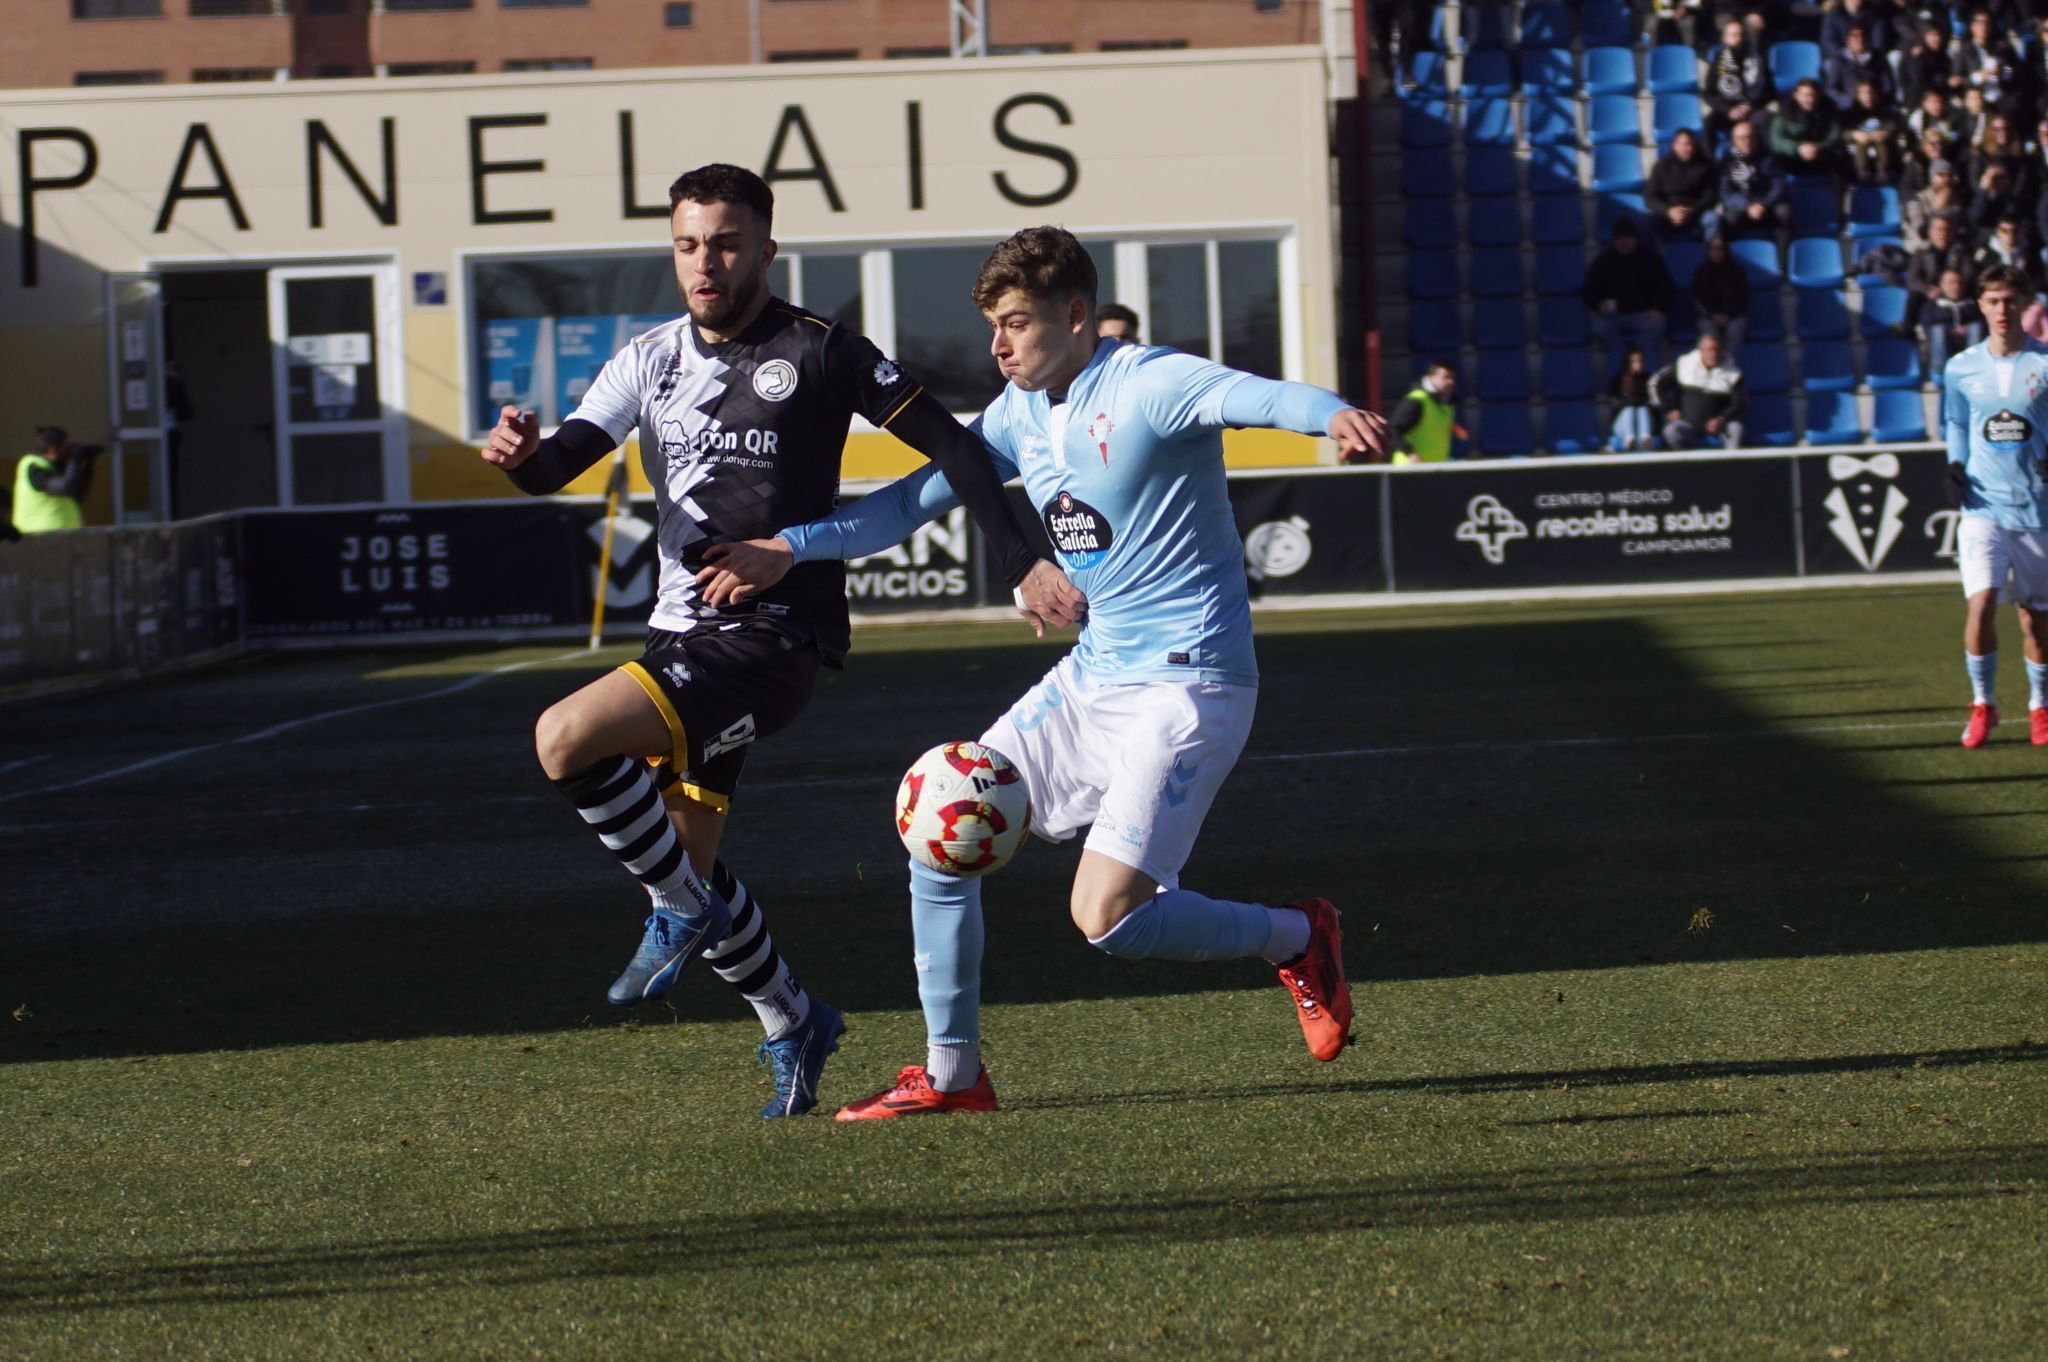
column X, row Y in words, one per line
column 747, row 959
column 617, row 798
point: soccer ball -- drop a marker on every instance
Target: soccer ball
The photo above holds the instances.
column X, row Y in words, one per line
column 962, row 809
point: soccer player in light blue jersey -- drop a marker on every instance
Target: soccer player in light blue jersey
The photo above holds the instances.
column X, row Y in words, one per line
column 1995, row 417
column 1120, row 449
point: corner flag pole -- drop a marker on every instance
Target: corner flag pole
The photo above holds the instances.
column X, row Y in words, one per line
column 617, row 485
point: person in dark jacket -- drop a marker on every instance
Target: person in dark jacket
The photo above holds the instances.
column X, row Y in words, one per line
column 1951, row 321
column 1628, row 289
column 1806, row 134
column 1834, row 29
column 1928, row 66
column 2007, row 245
column 1872, row 137
column 1856, row 62
column 1999, row 145
column 1681, row 189
column 1985, row 60
column 1720, row 291
column 1942, row 252
column 1737, row 83
column 1752, row 188
column 1633, row 419
column 1702, row 398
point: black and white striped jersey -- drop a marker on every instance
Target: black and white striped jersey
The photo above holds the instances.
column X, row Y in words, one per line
column 742, row 439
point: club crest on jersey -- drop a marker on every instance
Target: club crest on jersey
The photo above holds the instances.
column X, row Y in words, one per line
column 2007, row 428
column 775, row 380
column 1099, row 431
column 1079, row 531
column 887, row 375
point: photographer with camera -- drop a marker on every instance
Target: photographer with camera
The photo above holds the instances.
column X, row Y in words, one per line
column 50, row 485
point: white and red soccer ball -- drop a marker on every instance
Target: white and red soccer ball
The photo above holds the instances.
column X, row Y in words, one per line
column 962, row 809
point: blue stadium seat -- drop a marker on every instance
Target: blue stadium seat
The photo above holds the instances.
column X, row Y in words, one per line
column 1873, row 212
column 1432, row 274
column 1550, row 121
column 1815, row 262
column 1548, row 71
column 1567, row 376
column 1433, row 328
column 1491, row 173
column 1607, row 23
column 1503, row 376
column 1560, row 271
column 1498, row 274
column 1822, row 314
column 1899, row 418
column 1554, row 169
column 1669, row 113
column 1426, row 223
column 1557, row 222
column 1545, row 26
column 1494, row 222
column 1766, row 315
column 1490, row 123
column 1759, row 257
column 1486, row 28
column 1674, row 70
column 1831, row 419
column 1425, row 125
column 1891, row 365
column 1617, row 170
column 1487, row 76
column 1498, row 324
column 1765, row 369
column 1792, row 62
column 1505, row 430
column 1561, row 321
column 1884, row 312
column 1813, row 212
column 1683, row 259
column 1827, row 367
column 1609, row 209
column 1426, row 76
column 1573, row 428
column 1865, row 247
column 1610, row 71
column 1614, row 119
column 1769, row 424
column 1426, row 177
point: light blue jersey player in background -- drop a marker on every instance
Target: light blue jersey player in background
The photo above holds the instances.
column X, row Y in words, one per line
column 1120, row 449
column 1995, row 417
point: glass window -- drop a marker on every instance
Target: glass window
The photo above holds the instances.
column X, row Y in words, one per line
column 397, row 5
column 679, row 15
column 1177, row 297
column 118, row 78
column 836, row 54
column 1248, row 278
column 430, row 68
column 779, row 278
column 227, row 73
column 832, row 289
column 548, row 64
column 539, row 4
column 116, row 9
column 940, row 337
column 540, row 329
column 216, row 9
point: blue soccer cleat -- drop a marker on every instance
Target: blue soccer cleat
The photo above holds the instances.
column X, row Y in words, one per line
column 670, row 943
column 799, row 1058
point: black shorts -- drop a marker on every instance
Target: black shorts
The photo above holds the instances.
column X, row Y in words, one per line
column 720, row 688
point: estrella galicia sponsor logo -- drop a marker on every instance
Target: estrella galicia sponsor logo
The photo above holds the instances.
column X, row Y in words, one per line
column 1491, row 526
column 2007, row 428
column 775, row 380
column 1079, row 531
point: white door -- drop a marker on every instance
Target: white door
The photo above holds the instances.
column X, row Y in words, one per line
column 338, row 384
column 139, row 463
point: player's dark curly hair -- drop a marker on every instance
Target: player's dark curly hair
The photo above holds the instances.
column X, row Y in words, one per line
column 2005, row 276
column 722, row 183
column 1040, row 262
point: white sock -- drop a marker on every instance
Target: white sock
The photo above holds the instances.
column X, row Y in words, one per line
column 2037, row 684
column 1286, row 934
column 1983, row 675
column 952, row 1068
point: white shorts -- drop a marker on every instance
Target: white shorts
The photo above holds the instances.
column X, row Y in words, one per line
column 1141, row 761
column 1987, row 552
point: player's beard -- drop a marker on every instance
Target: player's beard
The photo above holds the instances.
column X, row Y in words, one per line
column 739, row 296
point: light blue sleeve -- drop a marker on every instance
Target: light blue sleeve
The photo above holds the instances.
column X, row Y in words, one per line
column 1180, row 393
column 887, row 517
column 1955, row 415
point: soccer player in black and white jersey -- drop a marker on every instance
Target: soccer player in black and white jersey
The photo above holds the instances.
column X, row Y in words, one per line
column 743, row 406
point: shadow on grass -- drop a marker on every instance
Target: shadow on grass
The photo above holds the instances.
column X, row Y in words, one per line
column 967, row 1230
column 1519, row 795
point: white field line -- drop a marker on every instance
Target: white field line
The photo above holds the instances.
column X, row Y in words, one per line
column 25, row 761
column 262, row 734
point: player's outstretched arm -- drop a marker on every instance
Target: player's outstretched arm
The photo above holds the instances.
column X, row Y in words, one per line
column 737, row 571
column 1182, row 393
column 539, row 466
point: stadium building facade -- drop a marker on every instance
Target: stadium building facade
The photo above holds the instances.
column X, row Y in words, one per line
column 311, row 293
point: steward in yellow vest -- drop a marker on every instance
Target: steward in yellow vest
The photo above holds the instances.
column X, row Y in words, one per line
column 49, row 485
column 1427, row 419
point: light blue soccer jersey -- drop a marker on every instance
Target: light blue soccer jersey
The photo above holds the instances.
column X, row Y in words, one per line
column 1993, row 414
column 1127, row 477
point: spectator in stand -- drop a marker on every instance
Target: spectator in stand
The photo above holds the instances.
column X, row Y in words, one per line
column 1805, row 133
column 1628, row 289
column 1928, row 66
column 1951, row 322
column 1681, row 189
column 1634, row 426
column 1940, row 199
column 1873, row 138
column 1752, row 188
column 1681, row 21
column 1738, row 81
column 1934, row 118
column 1720, row 293
column 2000, row 147
column 1993, row 203
column 2032, row 100
column 1968, row 115
column 2007, row 246
column 2037, row 156
column 1918, row 174
column 1834, row 29
column 1984, row 59
column 1854, row 63
column 1942, row 252
column 1114, row 321
column 1702, row 398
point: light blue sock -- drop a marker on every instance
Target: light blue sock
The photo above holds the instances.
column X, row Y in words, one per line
column 1983, row 676
column 945, row 929
column 1183, row 925
column 2037, row 684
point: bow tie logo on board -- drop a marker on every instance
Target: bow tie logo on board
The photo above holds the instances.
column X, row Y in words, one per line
column 1866, row 511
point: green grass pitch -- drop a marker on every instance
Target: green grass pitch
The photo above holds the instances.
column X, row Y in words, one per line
column 1702, row 987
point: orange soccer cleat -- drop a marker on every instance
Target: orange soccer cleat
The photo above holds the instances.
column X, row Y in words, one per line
column 914, row 1095
column 1321, row 997
column 1983, row 718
